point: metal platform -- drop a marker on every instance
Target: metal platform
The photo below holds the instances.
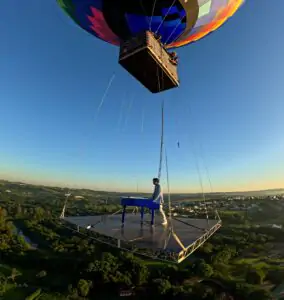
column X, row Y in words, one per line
column 158, row 242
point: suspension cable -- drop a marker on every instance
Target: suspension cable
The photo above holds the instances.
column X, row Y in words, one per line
column 145, row 11
column 87, row 135
column 207, row 173
column 105, row 94
column 153, row 8
column 201, row 186
column 128, row 112
column 161, row 143
column 165, row 16
column 121, row 112
column 179, row 34
column 206, row 168
column 200, row 180
column 142, row 121
column 162, row 126
column 174, row 30
column 169, row 191
column 209, row 179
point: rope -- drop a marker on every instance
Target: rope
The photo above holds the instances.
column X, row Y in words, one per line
column 196, row 227
column 105, row 94
column 169, row 192
column 145, row 11
column 200, row 180
column 116, row 212
column 142, row 121
column 162, row 129
column 173, row 31
column 121, row 112
column 207, row 172
column 153, row 8
column 87, row 135
column 162, row 143
column 178, row 36
column 201, row 186
column 165, row 16
column 128, row 112
column 208, row 177
column 206, row 169
column 159, row 83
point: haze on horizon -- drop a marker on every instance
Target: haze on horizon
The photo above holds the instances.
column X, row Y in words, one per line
column 146, row 188
column 227, row 114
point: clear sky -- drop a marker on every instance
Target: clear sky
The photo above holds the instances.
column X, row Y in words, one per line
column 227, row 113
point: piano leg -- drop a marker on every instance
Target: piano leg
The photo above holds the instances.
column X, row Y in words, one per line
column 152, row 216
column 123, row 215
column 142, row 215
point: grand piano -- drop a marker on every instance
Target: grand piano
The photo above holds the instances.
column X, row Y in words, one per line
column 139, row 202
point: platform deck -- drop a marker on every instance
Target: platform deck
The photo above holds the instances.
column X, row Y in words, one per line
column 146, row 236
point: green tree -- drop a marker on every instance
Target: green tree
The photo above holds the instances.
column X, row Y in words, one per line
column 255, row 276
column 207, row 248
column 6, row 231
column 41, row 274
column 39, row 213
column 34, row 295
column 222, row 296
column 23, row 245
column 275, row 276
column 136, row 268
column 73, row 292
column 204, row 270
column 14, row 273
column 260, row 295
column 84, row 287
column 243, row 291
column 178, row 291
column 222, row 270
column 19, row 210
column 201, row 291
column 162, row 286
column 223, row 256
column 3, row 283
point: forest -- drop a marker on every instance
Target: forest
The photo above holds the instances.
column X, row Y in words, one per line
column 41, row 258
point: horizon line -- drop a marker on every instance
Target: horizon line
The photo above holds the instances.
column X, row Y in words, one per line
column 106, row 191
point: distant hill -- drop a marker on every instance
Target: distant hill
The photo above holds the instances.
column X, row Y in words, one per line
column 89, row 192
column 257, row 193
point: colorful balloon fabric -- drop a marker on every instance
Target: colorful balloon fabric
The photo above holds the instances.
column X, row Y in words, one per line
column 178, row 22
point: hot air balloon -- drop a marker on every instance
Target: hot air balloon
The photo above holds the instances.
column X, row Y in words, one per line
column 146, row 29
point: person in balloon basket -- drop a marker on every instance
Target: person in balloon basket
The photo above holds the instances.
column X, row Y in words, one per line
column 173, row 58
column 158, row 37
column 158, row 198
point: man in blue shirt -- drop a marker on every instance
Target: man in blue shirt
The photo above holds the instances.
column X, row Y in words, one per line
column 158, row 198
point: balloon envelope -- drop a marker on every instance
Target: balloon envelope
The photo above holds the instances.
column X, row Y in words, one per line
column 178, row 22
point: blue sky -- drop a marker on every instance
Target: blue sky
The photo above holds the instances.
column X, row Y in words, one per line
column 227, row 113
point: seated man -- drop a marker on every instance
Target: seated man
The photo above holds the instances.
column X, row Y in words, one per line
column 158, row 198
